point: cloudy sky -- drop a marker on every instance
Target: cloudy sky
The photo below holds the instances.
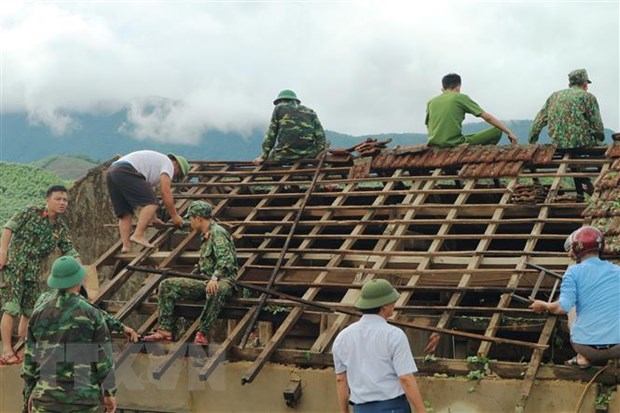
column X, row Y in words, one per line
column 183, row 68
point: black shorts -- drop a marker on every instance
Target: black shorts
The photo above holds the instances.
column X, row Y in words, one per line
column 128, row 189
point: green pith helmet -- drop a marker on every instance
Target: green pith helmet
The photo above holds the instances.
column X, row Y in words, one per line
column 183, row 164
column 578, row 77
column 286, row 94
column 199, row 209
column 66, row 272
column 376, row 293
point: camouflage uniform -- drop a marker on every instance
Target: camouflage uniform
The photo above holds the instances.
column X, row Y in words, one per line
column 68, row 362
column 573, row 119
column 295, row 132
column 218, row 258
column 112, row 322
column 33, row 239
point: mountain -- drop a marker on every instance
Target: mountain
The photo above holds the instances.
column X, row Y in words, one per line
column 100, row 137
column 66, row 167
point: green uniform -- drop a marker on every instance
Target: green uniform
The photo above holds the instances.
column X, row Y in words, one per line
column 573, row 118
column 444, row 119
column 218, row 257
column 295, row 132
column 112, row 322
column 68, row 362
column 33, row 239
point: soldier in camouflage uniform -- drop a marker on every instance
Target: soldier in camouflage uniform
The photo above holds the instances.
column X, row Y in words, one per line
column 572, row 115
column 68, row 363
column 574, row 121
column 217, row 263
column 295, row 131
column 114, row 324
column 29, row 237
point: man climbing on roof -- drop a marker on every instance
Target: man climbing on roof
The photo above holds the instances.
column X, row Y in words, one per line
column 592, row 286
column 131, row 180
column 217, row 263
column 29, row 237
column 572, row 115
column 445, row 114
column 295, row 131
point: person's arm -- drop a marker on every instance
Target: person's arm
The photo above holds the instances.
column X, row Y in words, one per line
column 593, row 114
column 166, row 196
column 539, row 306
column 270, row 137
column 319, row 136
column 30, row 369
column 104, row 367
column 412, row 391
column 492, row 120
column 225, row 259
column 7, row 234
column 65, row 244
column 540, row 121
column 342, row 392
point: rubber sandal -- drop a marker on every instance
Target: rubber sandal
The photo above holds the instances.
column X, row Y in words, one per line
column 10, row 360
column 158, row 336
column 573, row 363
column 200, row 339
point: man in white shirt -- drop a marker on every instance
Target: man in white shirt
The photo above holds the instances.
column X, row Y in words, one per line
column 372, row 359
column 131, row 181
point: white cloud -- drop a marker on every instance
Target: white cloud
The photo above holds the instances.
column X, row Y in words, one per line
column 365, row 67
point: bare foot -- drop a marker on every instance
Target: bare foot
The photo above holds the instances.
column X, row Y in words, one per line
column 126, row 249
column 141, row 241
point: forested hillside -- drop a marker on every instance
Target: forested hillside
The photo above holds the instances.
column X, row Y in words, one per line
column 22, row 185
column 67, row 167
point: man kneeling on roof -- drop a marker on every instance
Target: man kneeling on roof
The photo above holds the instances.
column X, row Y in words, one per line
column 592, row 286
column 218, row 264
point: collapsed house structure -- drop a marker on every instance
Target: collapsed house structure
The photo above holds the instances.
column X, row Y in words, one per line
column 465, row 234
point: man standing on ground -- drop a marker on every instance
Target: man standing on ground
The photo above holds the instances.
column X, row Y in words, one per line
column 372, row 359
column 572, row 115
column 217, row 263
column 295, row 131
column 592, row 286
column 445, row 114
column 131, row 180
column 29, row 237
column 68, row 364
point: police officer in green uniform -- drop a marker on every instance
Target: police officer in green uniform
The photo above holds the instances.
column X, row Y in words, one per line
column 295, row 131
column 572, row 115
column 29, row 237
column 68, row 362
column 217, row 263
column 445, row 114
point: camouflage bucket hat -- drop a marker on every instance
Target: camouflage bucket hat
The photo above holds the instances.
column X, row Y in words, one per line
column 376, row 293
column 199, row 209
column 66, row 272
column 578, row 77
column 183, row 164
column 286, row 94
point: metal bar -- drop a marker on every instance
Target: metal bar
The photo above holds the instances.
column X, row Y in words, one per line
column 541, row 268
column 276, row 269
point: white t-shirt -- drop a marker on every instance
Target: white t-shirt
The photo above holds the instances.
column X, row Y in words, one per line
column 151, row 164
column 374, row 354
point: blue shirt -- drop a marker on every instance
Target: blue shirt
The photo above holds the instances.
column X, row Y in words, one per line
column 593, row 288
column 374, row 354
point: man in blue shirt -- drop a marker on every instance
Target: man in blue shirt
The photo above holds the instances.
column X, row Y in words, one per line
column 592, row 286
column 373, row 361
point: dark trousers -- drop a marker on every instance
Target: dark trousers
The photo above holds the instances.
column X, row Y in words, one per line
column 399, row 404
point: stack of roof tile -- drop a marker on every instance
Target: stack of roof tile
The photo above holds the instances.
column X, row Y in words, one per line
column 529, row 194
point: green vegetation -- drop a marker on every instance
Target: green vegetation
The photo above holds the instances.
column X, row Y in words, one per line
column 23, row 185
column 66, row 166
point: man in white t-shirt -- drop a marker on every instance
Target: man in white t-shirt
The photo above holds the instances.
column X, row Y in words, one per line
column 372, row 359
column 131, row 183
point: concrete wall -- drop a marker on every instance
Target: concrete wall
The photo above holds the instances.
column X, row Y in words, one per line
column 180, row 391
